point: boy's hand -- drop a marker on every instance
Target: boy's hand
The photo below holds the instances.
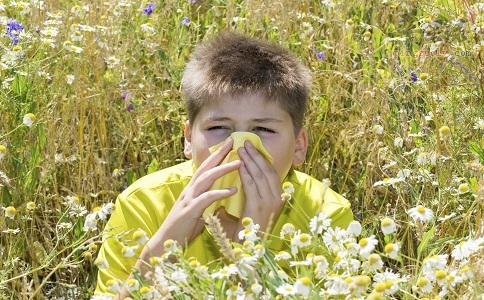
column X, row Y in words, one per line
column 184, row 222
column 262, row 187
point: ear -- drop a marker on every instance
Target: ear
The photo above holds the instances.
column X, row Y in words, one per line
column 187, row 133
column 301, row 147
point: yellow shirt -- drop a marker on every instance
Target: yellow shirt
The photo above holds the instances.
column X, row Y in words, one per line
column 146, row 203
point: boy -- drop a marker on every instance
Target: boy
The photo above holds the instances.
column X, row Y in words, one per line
column 232, row 83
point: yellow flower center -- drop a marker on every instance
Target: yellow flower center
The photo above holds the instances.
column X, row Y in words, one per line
column 420, row 209
column 385, row 222
column 463, row 188
column 246, row 221
column 363, row 242
column 373, row 258
column 444, row 130
column 304, row 237
column 31, row 205
column 154, row 260
column 380, row 287
column 389, row 248
column 92, row 247
column 138, row 234
column 440, row 274
column 305, row 280
column 168, row 243
column 10, row 211
column 362, row 280
column 422, row 281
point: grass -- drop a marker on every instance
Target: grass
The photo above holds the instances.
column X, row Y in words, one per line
column 85, row 130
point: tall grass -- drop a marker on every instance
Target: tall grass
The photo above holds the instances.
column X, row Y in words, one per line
column 383, row 71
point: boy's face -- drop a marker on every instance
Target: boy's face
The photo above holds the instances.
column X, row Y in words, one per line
column 216, row 121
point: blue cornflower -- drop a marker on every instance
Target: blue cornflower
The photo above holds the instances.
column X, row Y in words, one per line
column 185, row 21
column 13, row 30
column 413, row 76
column 148, row 10
column 320, row 55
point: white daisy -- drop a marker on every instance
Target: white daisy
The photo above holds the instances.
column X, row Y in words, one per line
column 299, row 240
column 333, row 238
column 282, row 255
column 354, row 228
column 432, row 263
column 465, row 249
column 286, row 290
column 392, row 249
column 29, row 119
column 90, row 223
column 373, row 263
column 319, row 223
column 398, row 142
column 140, row 236
column 179, row 275
column 335, row 285
column 423, row 285
column 388, row 226
column 321, row 266
column 302, row 286
column 132, row 285
column 70, row 79
column 287, row 229
column 367, row 245
column 129, row 251
column 421, row 213
column 114, row 285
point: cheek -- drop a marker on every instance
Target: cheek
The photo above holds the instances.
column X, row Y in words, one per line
column 201, row 152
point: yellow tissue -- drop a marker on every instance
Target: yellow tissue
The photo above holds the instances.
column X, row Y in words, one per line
column 234, row 204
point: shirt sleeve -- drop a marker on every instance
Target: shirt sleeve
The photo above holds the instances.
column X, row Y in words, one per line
column 140, row 209
column 337, row 208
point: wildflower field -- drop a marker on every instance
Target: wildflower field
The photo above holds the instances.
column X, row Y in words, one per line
column 90, row 102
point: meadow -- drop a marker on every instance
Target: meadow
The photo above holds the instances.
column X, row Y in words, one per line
column 90, row 101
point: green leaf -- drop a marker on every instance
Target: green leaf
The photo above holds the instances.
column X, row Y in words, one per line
column 425, row 240
column 154, row 166
column 131, row 176
column 477, row 149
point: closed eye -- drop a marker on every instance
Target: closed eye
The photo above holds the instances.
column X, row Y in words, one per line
column 265, row 129
column 256, row 128
column 217, row 127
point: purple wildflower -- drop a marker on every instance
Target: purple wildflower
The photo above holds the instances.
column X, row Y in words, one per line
column 413, row 76
column 185, row 21
column 320, row 55
column 148, row 10
column 193, row 1
column 13, row 30
column 130, row 107
column 125, row 95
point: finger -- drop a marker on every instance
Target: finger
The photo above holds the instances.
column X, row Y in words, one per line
column 260, row 181
column 206, row 180
column 215, row 158
column 207, row 198
column 249, row 184
column 265, row 169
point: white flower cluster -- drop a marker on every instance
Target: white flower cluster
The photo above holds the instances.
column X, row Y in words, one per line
column 101, row 213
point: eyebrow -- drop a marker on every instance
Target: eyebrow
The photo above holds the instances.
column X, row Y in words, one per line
column 258, row 120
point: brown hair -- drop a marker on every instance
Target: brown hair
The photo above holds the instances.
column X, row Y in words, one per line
column 233, row 64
